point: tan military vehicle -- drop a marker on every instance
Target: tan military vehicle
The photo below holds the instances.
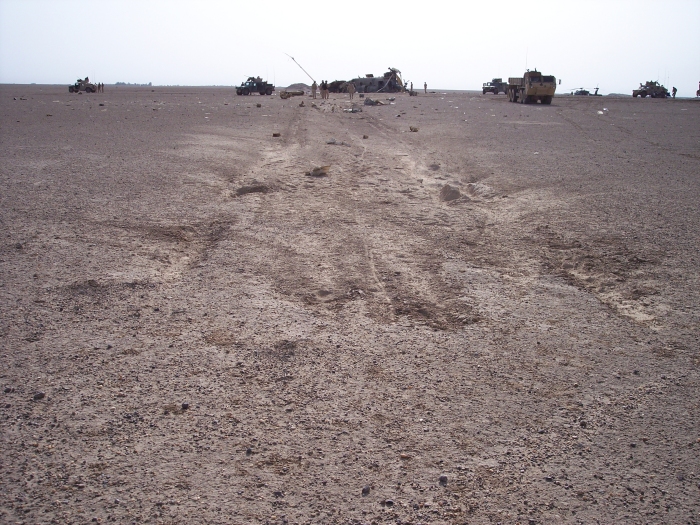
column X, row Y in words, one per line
column 83, row 85
column 651, row 88
column 533, row 86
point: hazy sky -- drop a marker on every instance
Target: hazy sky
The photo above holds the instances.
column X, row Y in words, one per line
column 614, row 44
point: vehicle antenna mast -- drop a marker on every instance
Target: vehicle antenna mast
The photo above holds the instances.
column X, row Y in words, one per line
column 298, row 64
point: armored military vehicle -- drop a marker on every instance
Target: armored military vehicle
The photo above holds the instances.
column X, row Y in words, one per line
column 83, row 85
column 255, row 85
column 533, row 86
column 495, row 86
column 390, row 82
column 651, row 88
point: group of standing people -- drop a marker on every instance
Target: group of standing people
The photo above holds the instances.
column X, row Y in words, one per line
column 100, row 87
column 324, row 89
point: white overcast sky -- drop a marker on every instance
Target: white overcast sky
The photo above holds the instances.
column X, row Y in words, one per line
column 614, row 44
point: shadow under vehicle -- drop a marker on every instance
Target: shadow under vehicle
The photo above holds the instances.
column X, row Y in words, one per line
column 255, row 85
column 651, row 88
column 83, row 85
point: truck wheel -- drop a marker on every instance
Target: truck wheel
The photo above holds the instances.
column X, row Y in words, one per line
column 268, row 91
column 635, row 95
column 547, row 100
column 246, row 91
column 643, row 94
column 522, row 97
column 238, row 92
column 70, row 89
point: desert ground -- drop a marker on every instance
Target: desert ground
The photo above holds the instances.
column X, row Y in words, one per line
column 492, row 319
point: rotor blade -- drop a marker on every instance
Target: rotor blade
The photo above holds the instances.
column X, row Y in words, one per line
column 298, row 64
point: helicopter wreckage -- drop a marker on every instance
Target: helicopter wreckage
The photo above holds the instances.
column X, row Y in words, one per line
column 389, row 82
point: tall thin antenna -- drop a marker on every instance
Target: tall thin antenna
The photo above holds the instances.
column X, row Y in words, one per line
column 298, row 64
column 526, row 50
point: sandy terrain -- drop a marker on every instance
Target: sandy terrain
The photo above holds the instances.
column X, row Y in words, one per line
column 193, row 330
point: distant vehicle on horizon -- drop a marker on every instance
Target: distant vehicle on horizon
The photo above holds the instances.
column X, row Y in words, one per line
column 255, row 85
column 651, row 88
column 494, row 86
column 83, row 85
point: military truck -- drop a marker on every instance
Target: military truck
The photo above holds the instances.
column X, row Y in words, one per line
column 83, row 85
column 651, row 88
column 494, row 86
column 533, row 86
column 255, row 85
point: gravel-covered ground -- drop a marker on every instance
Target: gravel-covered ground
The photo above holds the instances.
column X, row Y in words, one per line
column 494, row 319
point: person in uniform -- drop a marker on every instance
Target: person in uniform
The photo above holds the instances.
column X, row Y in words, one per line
column 674, row 91
column 314, row 88
column 425, row 87
column 351, row 89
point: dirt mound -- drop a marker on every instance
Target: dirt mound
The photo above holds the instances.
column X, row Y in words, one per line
column 298, row 87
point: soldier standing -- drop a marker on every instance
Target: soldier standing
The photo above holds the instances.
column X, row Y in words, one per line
column 411, row 87
column 314, row 88
column 674, row 91
column 425, row 87
column 351, row 89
